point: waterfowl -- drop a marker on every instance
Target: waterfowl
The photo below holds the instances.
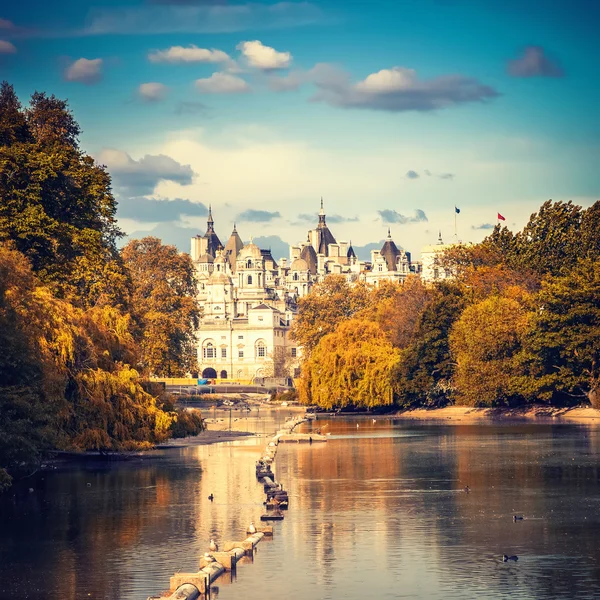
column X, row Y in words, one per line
column 517, row 517
column 211, row 497
column 357, row 426
column 467, row 489
column 213, row 546
column 506, row 558
column 374, row 420
column 252, row 529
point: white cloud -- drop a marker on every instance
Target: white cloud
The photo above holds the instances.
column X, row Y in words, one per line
column 222, row 83
column 152, row 91
column 397, row 89
column 7, row 47
column 88, row 71
column 264, row 57
column 191, row 54
column 388, row 80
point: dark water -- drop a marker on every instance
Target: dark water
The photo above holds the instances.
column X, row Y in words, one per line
column 377, row 512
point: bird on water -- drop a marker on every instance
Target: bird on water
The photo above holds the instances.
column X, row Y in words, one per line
column 211, row 497
column 506, row 558
column 517, row 518
column 467, row 489
column 252, row 529
column 213, row 546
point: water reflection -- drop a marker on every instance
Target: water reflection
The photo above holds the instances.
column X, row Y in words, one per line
column 377, row 512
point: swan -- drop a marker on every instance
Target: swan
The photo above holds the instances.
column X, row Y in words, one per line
column 213, row 546
column 252, row 529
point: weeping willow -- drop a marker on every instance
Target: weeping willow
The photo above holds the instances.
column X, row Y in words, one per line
column 351, row 366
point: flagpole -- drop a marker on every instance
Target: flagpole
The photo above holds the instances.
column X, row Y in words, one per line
column 455, row 232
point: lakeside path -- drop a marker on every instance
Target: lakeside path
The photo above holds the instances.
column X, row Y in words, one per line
column 466, row 414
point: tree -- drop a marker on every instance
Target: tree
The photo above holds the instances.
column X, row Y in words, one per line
column 485, row 342
column 562, row 349
column 330, row 302
column 424, row 370
column 350, row 366
column 57, row 206
column 164, row 306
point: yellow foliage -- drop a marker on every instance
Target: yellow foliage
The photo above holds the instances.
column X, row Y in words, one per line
column 352, row 365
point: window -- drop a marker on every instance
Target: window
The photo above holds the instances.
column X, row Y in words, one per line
column 249, row 279
column 241, row 353
column 223, row 374
column 294, row 352
column 261, row 349
column 210, row 351
column 249, row 264
column 240, row 337
column 295, row 276
column 223, row 352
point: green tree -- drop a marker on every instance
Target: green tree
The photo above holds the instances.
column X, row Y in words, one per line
column 350, row 366
column 164, row 306
column 424, row 371
column 485, row 343
column 57, row 206
column 562, row 350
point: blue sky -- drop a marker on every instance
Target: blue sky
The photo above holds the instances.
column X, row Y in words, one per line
column 393, row 111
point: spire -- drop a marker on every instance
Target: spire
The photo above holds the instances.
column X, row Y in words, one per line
column 322, row 210
column 234, row 229
column 322, row 214
column 210, row 223
column 389, row 234
column 440, row 238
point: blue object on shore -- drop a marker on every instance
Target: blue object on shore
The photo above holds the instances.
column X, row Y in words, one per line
column 203, row 381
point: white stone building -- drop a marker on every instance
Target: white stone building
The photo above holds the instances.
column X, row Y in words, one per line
column 431, row 265
column 249, row 300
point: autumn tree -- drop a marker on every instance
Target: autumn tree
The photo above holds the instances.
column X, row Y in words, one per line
column 57, row 206
column 485, row 343
column 164, row 306
column 331, row 301
column 350, row 366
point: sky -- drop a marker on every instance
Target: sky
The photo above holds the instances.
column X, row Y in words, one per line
column 393, row 111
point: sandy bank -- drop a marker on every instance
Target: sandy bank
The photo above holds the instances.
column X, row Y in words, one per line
column 465, row 414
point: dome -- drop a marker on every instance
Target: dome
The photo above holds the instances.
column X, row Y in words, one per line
column 217, row 277
column 220, row 260
column 250, row 251
column 299, row 265
column 206, row 258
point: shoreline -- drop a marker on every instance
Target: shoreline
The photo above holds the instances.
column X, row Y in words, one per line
column 532, row 414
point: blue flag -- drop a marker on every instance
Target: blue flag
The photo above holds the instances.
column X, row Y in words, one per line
column 457, row 210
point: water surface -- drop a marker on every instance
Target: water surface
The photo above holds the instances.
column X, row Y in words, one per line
column 378, row 511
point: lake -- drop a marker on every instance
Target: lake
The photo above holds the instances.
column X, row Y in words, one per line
column 379, row 511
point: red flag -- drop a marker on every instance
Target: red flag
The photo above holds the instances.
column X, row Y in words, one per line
column 500, row 217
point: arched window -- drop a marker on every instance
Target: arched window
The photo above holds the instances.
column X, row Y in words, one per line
column 261, row 349
column 248, row 264
column 223, row 374
column 210, row 351
column 295, row 276
column 249, row 279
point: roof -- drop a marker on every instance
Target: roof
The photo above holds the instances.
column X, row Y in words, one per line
column 263, row 306
column 299, row 265
column 232, row 247
column 309, row 255
column 390, row 252
column 206, row 258
column 217, row 277
column 350, row 253
column 250, row 251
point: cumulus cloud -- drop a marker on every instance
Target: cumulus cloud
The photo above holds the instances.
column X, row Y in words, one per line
column 7, row 47
column 222, row 83
column 83, row 70
column 152, row 92
column 202, row 18
column 534, row 63
column 258, row 216
column 483, row 226
column 412, row 175
column 140, row 177
column 391, row 216
column 396, row 89
column 264, row 57
column 191, row 54
column 151, row 210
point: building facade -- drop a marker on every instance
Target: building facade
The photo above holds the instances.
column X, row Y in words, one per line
column 249, row 300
